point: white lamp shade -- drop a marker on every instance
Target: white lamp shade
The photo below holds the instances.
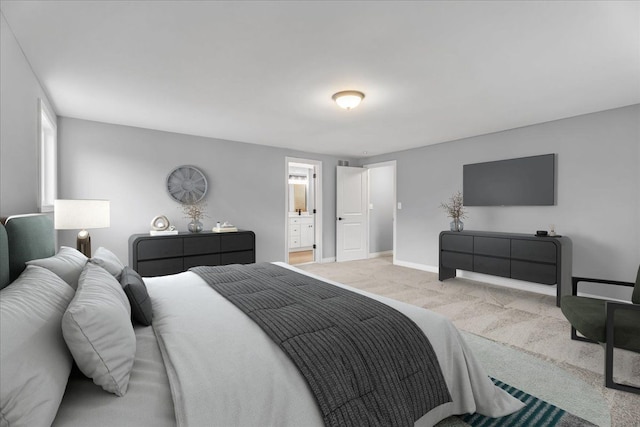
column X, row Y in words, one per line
column 81, row 214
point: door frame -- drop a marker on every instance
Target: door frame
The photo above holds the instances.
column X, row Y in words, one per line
column 317, row 219
column 393, row 164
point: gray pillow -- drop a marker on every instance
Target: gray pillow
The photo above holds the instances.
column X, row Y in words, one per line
column 136, row 291
column 35, row 360
column 109, row 261
column 98, row 330
column 67, row 264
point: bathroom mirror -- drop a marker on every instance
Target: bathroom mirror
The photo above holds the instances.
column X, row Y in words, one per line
column 299, row 190
column 299, row 197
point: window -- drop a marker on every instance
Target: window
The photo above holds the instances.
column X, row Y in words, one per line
column 48, row 158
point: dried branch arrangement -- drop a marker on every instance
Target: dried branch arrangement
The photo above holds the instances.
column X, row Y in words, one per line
column 455, row 207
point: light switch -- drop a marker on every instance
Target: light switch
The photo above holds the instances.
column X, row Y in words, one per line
column 370, row 205
column 399, row 205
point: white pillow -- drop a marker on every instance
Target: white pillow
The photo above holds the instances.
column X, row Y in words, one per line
column 98, row 331
column 109, row 261
column 35, row 362
column 67, row 264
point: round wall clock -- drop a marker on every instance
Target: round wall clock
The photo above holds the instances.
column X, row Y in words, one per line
column 186, row 184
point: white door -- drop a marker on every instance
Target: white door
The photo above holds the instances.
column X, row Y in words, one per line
column 351, row 209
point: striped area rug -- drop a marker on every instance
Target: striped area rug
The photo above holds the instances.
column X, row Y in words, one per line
column 537, row 413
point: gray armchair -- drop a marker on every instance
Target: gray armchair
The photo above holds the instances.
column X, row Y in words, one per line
column 612, row 323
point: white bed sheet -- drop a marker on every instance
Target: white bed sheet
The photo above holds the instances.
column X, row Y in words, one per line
column 147, row 402
column 225, row 371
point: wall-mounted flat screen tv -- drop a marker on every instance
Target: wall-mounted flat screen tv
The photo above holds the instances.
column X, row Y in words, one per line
column 527, row 181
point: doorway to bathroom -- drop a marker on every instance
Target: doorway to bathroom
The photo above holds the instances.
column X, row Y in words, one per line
column 303, row 211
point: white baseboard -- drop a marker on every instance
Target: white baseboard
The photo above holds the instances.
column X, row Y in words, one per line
column 416, row 266
column 330, row 259
column 379, row 254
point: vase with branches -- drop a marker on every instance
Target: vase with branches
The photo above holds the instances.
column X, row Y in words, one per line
column 455, row 210
column 195, row 211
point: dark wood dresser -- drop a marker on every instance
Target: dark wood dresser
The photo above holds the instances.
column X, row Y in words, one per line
column 545, row 260
column 162, row 255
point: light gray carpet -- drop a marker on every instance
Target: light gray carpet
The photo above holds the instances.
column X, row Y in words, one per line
column 524, row 326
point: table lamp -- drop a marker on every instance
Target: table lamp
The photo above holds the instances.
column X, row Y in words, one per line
column 81, row 214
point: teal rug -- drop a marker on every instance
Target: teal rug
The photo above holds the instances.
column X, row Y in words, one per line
column 541, row 379
column 537, row 413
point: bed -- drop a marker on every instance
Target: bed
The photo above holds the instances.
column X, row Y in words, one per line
column 201, row 360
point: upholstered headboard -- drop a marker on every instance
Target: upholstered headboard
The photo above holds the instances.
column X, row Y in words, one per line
column 4, row 258
column 27, row 237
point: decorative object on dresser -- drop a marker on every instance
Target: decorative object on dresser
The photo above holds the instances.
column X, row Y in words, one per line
column 161, row 255
column 195, row 211
column 81, row 214
column 160, row 226
column 225, row 227
column 159, row 223
column 187, row 184
column 545, row 260
column 455, row 210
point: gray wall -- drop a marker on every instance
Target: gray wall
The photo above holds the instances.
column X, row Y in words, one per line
column 598, row 190
column 19, row 93
column 598, row 180
column 128, row 166
column 381, row 187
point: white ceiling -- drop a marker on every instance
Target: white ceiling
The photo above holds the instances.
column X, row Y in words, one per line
column 264, row 72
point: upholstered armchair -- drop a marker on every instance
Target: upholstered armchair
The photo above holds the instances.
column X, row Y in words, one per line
column 612, row 323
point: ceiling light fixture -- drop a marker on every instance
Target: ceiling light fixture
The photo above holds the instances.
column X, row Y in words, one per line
column 348, row 99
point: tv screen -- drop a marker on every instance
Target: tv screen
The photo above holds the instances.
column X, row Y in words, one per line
column 527, row 181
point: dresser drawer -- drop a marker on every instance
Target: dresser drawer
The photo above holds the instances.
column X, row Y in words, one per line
column 194, row 261
column 492, row 246
column 457, row 260
column 533, row 272
column 458, row 243
column 160, row 267
column 201, row 245
column 243, row 257
column 532, row 250
column 494, row 266
column 237, row 242
column 159, row 247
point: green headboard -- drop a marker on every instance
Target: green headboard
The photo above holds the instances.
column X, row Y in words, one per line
column 28, row 237
column 4, row 258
